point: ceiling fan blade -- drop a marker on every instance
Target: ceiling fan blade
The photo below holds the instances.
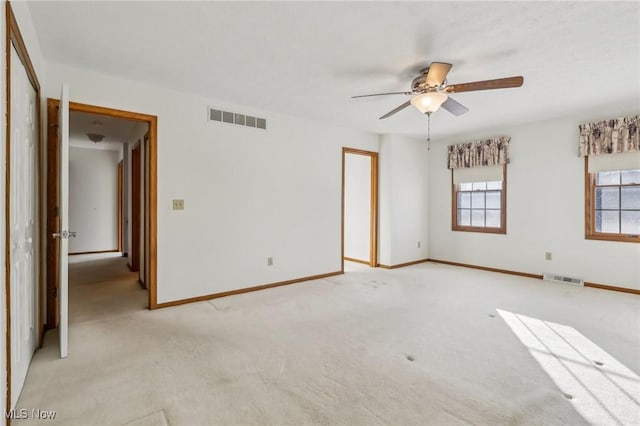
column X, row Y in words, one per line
column 499, row 83
column 382, row 94
column 454, row 107
column 400, row 108
column 437, row 73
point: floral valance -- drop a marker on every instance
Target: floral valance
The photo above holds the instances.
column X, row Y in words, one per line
column 609, row 136
column 486, row 152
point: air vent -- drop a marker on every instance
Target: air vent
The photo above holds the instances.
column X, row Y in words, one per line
column 237, row 118
column 562, row 279
column 215, row 115
column 227, row 117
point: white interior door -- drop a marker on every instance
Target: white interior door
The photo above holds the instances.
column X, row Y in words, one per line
column 22, row 193
column 63, row 237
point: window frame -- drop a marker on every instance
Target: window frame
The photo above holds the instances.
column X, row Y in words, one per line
column 590, row 212
column 487, row 230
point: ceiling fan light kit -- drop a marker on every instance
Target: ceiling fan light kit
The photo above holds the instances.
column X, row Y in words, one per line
column 428, row 102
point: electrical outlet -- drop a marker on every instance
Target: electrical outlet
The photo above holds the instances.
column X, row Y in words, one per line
column 547, row 255
column 269, row 261
column 178, row 204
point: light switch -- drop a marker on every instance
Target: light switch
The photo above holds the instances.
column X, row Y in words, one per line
column 178, row 204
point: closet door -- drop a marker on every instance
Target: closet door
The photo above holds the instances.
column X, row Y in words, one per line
column 22, row 223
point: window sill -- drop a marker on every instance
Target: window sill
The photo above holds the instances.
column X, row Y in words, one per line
column 479, row 229
column 614, row 237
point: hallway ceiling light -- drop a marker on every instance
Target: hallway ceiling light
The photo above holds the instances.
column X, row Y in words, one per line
column 95, row 137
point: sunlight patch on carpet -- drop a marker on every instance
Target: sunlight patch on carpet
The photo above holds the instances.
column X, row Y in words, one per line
column 601, row 389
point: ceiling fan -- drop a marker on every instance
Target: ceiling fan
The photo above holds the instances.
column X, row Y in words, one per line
column 432, row 91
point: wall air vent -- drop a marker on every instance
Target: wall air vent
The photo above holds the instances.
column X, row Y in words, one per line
column 227, row 117
column 237, row 119
column 562, row 279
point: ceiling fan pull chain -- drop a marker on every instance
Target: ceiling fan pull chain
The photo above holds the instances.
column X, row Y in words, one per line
column 428, row 131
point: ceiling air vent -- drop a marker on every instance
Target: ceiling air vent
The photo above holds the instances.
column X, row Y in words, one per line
column 563, row 279
column 237, row 119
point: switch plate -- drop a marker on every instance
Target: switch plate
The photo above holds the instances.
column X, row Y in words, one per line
column 547, row 255
column 178, row 204
column 419, row 244
column 269, row 261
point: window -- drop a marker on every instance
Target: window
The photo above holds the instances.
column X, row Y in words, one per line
column 613, row 205
column 479, row 206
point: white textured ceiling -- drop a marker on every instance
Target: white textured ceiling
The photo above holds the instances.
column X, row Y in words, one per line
column 307, row 58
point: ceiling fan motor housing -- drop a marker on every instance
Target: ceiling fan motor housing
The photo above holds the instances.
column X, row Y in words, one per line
column 419, row 84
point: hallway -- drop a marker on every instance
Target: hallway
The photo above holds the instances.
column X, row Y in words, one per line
column 101, row 286
column 103, row 295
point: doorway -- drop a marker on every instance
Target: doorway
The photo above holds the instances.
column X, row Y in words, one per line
column 359, row 206
column 150, row 239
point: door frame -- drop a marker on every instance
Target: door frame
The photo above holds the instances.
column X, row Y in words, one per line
column 373, row 220
column 136, row 203
column 52, row 176
column 120, row 204
column 13, row 37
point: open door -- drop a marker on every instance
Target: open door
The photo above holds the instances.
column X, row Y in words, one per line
column 63, row 236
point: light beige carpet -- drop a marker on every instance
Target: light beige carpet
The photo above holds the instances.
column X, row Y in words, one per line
column 424, row 345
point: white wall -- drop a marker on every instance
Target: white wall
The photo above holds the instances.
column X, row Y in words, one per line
column 404, row 200
column 249, row 193
column 384, row 200
column 93, row 199
column 545, row 208
column 357, row 206
column 25, row 24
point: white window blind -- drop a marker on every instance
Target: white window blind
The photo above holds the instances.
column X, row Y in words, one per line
column 610, row 162
column 478, row 174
